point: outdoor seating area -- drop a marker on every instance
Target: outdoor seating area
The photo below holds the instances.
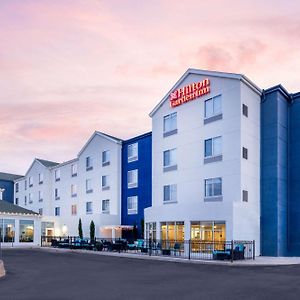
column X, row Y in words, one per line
column 186, row 249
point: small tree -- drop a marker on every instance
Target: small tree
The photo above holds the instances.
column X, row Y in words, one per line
column 92, row 231
column 80, row 229
column 142, row 227
column 135, row 232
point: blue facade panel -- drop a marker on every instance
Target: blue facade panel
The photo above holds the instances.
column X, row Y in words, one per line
column 8, row 194
column 144, row 189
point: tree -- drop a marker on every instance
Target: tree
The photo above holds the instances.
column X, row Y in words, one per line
column 135, row 232
column 92, row 231
column 80, row 229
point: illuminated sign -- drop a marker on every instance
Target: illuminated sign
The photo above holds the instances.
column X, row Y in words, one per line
column 189, row 92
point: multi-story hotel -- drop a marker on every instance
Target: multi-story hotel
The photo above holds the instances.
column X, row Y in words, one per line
column 222, row 163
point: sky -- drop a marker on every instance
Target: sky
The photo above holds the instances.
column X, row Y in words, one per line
column 70, row 67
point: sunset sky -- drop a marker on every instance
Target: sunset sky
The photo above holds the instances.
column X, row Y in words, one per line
column 70, row 67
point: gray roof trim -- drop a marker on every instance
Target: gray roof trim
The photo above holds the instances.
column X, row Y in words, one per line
column 64, row 163
column 104, row 135
column 240, row 77
column 9, row 208
column 9, row 176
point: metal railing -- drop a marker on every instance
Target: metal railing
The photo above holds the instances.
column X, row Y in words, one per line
column 188, row 249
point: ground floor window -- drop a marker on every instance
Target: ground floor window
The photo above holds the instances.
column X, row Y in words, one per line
column 172, row 231
column 48, row 228
column 7, row 230
column 151, row 231
column 26, row 231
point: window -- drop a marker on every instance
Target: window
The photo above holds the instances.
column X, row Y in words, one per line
column 213, row 147
column 132, row 205
column 172, row 231
column 170, row 124
column 89, row 208
column 30, row 181
column 170, row 193
column 105, row 182
column 73, row 190
column 40, row 196
column 89, row 163
column 88, row 186
column 151, row 231
column 56, row 194
column 17, row 201
column 74, row 170
column 74, row 210
column 7, row 230
column 41, row 178
column 25, row 200
column 26, row 231
column 105, row 206
column 170, row 158
column 208, row 231
column 213, row 106
column 245, row 110
column 25, row 185
column 30, row 198
column 57, row 211
column 132, row 178
column 245, row 196
column 245, row 153
column 105, row 158
column 213, row 187
column 17, row 187
column 57, row 175
column 132, row 152
column 40, row 211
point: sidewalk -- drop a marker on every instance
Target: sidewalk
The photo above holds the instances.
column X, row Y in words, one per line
column 259, row 261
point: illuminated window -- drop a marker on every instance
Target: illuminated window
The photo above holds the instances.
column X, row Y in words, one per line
column 151, row 231
column 26, row 231
column 7, row 230
column 172, row 231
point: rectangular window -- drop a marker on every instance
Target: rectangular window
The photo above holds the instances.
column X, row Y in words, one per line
column 88, row 163
column 56, row 194
column 17, row 201
column 57, row 211
column 132, row 152
column 41, row 178
column 17, row 187
column 89, row 207
column 172, row 231
column 245, row 196
column 151, row 231
column 73, row 190
column 7, row 230
column 74, row 170
column 25, row 200
column 30, row 198
column 213, row 187
column 245, row 110
column 170, row 193
column 88, row 186
column 105, row 182
column 170, row 158
column 57, row 175
column 213, row 147
column 132, row 205
column 105, row 206
column 170, row 124
column 40, row 196
column 26, row 231
column 74, row 210
column 213, row 106
column 30, row 181
column 105, row 158
column 245, row 153
column 41, row 211
column 132, row 177
column 25, row 185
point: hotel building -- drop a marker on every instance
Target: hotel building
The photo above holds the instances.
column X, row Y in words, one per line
column 222, row 163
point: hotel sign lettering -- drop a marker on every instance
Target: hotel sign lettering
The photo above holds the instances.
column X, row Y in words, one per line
column 189, row 92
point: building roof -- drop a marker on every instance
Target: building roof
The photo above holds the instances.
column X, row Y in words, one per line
column 9, row 177
column 9, row 208
column 138, row 137
column 240, row 77
column 47, row 163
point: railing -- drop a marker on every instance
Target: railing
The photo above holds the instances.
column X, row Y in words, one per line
column 188, row 249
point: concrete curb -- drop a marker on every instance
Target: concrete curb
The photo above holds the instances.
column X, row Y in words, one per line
column 2, row 270
column 259, row 262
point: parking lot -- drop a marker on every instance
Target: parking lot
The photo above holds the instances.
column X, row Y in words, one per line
column 39, row 274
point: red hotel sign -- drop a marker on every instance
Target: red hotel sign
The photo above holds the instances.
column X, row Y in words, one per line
column 189, row 92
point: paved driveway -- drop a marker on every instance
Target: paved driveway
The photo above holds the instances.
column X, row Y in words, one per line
column 37, row 274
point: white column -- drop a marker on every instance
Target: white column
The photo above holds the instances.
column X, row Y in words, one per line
column 187, row 236
column 158, row 237
column 113, row 233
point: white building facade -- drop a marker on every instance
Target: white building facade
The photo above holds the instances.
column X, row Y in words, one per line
column 206, row 160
